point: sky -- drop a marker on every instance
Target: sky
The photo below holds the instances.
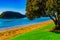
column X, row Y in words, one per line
column 13, row 5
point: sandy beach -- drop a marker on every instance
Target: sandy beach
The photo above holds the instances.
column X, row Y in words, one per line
column 6, row 34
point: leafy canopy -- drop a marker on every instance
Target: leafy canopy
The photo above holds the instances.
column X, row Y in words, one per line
column 38, row 8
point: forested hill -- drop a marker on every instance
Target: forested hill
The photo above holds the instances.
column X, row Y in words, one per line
column 11, row 14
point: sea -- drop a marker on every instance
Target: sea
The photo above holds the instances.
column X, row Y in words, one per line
column 12, row 23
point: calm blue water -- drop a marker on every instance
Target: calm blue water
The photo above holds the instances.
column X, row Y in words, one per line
column 6, row 23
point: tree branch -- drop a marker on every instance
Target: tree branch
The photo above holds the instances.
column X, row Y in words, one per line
column 52, row 18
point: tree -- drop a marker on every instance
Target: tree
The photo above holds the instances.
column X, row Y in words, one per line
column 35, row 8
column 38, row 8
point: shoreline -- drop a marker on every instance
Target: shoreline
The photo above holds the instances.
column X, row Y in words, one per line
column 8, row 28
column 6, row 34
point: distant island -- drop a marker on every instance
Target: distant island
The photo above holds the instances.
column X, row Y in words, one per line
column 11, row 14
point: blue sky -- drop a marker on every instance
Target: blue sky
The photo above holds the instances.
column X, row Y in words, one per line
column 13, row 5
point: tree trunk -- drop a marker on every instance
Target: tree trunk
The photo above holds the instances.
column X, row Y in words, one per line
column 57, row 26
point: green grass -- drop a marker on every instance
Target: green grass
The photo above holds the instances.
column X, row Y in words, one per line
column 39, row 34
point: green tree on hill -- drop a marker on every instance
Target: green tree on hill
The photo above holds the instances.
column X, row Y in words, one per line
column 38, row 8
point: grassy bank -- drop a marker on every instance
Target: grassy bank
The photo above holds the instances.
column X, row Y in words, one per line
column 39, row 34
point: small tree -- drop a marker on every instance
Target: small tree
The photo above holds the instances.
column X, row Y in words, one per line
column 38, row 8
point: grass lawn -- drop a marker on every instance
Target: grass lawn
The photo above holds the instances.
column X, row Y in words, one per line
column 39, row 34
